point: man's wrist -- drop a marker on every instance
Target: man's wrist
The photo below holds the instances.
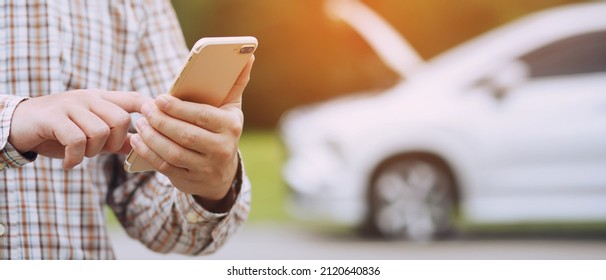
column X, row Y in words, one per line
column 224, row 204
column 218, row 206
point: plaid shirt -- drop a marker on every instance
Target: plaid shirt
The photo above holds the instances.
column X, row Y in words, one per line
column 51, row 46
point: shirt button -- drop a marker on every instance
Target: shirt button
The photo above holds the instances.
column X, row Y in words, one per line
column 192, row 217
column 2, row 230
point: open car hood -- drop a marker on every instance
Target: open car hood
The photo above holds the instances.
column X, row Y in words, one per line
column 384, row 39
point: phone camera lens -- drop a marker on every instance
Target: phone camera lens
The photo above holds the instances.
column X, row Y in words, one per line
column 247, row 49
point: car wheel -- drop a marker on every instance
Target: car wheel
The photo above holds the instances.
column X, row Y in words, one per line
column 412, row 198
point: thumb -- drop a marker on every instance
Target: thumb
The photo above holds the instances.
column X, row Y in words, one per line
column 234, row 98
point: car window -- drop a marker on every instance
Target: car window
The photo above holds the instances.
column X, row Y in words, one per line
column 580, row 54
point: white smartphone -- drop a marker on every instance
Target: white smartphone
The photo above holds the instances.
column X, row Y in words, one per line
column 210, row 71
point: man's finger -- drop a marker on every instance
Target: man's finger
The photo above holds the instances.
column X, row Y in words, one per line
column 126, row 146
column 202, row 115
column 130, row 101
column 95, row 129
column 185, row 133
column 118, row 122
column 74, row 141
column 164, row 147
column 146, row 153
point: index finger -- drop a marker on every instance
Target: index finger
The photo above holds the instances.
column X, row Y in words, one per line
column 130, row 101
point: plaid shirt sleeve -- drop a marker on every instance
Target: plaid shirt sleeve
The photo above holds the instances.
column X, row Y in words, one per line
column 9, row 156
column 149, row 207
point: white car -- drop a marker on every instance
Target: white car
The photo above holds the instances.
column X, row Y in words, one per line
column 507, row 128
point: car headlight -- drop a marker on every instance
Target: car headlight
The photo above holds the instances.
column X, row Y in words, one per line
column 311, row 169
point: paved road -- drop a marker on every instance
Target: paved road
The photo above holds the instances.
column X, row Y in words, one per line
column 275, row 241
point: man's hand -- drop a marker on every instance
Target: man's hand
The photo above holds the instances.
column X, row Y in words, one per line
column 75, row 124
column 194, row 145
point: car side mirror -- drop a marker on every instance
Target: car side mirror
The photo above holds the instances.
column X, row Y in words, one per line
column 506, row 78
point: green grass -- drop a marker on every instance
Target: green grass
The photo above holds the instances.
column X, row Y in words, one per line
column 263, row 156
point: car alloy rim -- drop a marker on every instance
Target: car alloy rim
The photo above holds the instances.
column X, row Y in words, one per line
column 414, row 200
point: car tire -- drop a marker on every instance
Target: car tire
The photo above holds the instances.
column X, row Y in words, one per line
column 412, row 198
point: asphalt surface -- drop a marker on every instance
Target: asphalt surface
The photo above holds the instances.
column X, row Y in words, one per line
column 289, row 241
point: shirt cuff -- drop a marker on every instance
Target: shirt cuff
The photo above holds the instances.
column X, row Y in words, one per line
column 194, row 213
column 13, row 158
column 9, row 156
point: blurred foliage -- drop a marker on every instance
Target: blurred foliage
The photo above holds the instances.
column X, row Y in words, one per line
column 305, row 56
